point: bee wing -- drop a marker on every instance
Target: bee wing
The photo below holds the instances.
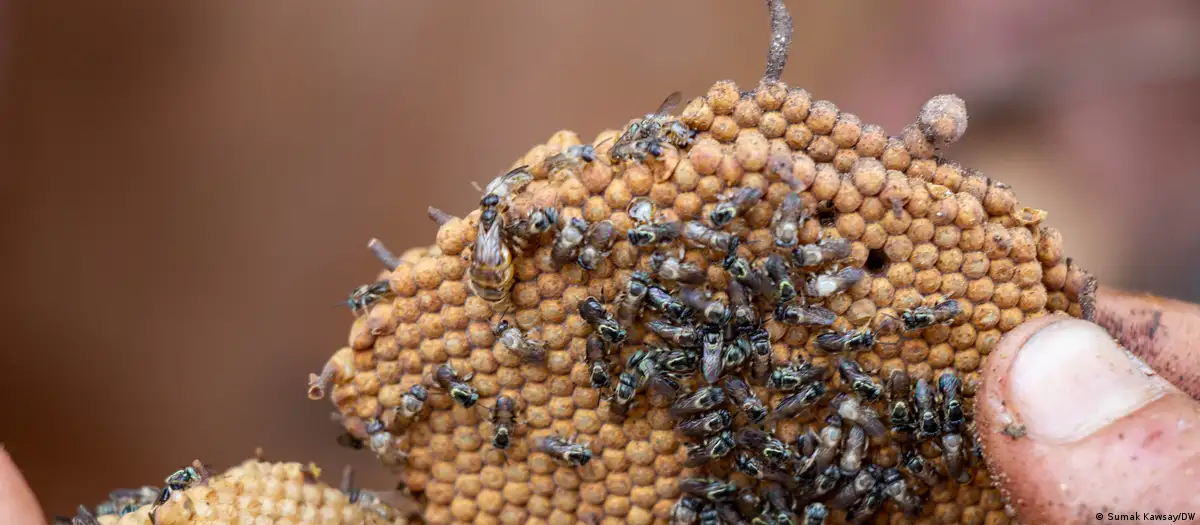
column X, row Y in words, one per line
column 663, row 386
column 668, row 104
column 711, row 363
column 820, row 316
column 489, row 246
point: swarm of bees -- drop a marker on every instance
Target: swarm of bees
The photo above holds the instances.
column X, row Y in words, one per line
column 709, row 353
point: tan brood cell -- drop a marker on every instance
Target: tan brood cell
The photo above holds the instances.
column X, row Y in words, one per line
column 928, row 227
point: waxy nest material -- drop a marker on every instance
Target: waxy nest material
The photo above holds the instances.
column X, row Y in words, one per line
column 260, row 493
column 956, row 233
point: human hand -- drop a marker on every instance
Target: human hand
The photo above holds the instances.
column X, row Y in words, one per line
column 1102, row 432
column 17, row 504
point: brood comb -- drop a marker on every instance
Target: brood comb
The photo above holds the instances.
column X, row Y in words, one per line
column 906, row 270
column 255, row 492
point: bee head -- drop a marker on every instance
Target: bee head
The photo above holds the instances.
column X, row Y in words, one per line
column 721, row 215
column 466, row 397
column 419, row 392
column 787, row 291
column 580, row 455
column 501, row 439
column 612, row 333
column 501, row 327
column 654, row 147
column 756, row 413
column 600, row 378
column 641, row 237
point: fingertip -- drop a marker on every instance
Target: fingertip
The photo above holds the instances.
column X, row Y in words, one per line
column 18, row 506
column 1072, row 426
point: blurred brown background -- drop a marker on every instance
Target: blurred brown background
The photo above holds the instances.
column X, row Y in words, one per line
column 187, row 188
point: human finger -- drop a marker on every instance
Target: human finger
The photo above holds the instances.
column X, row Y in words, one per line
column 1162, row 332
column 1075, row 428
column 18, row 506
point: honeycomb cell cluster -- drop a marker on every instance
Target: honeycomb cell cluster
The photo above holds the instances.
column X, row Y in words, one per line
column 255, row 492
column 922, row 229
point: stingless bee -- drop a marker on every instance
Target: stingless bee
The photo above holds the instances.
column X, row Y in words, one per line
column 657, row 377
column 686, row 511
column 702, row 400
column 920, row 468
column 898, row 388
column 661, row 301
column 815, row 514
column 744, row 317
column 792, row 376
column 530, row 350
column 504, row 186
column 765, row 445
column 825, row 285
column 676, row 361
column 644, row 136
column 787, row 220
column 753, row 278
column 849, row 408
column 953, row 457
column 630, row 381
column 124, row 501
column 828, row 444
column 759, row 342
column 791, row 405
column 411, row 405
column 524, row 232
column 567, row 242
column 83, row 516
column 366, row 295
column 853, row 450
column 183, row 479
column 592, row 311
column 860, row 383
column 705, row 425
column 861, row 483
column 503, row 416
column 734, row 356
column 805, row 315
column 685, row 336
column 698, row 233
column 572, row 156
column 654, row 233
column 734, row 205
column 824, row 251
column 920, row 317
column 952, row 406
column 927, row 413
column 848, row 341
column 672, row 269
column 712, row 343
column 777, row 269
column 739, row 392
column 600, row 239
column 710, row 310
column 597, row 354
column 713, row 448
column 896, row 488
column 631, row 299
column 491, row 268
column 462, row 393
column 708, row 488
column 565, row 450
